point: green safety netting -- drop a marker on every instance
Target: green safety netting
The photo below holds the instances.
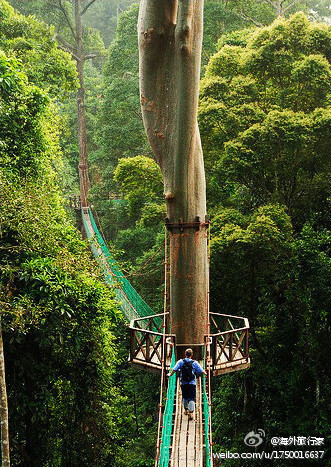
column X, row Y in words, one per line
column 167, row 418
column 206, row 416
column 132, row 305
column 168, row 415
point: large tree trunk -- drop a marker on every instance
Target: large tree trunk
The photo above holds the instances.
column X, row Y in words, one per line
column 170, row 39
column 80, row 57
column 3, row 408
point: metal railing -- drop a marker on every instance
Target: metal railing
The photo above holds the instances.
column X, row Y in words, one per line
column 163, row 453
column 228, row 343
column 206, row 394
column 149, row 345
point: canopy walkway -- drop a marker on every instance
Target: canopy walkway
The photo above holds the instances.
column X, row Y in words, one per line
column 132, row 305
column 185, row 442
column 181, row 442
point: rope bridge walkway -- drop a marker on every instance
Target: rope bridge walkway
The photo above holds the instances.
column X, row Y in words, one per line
column 131, row 303
column 184, row 442
column 187, row 442
column 181, row 442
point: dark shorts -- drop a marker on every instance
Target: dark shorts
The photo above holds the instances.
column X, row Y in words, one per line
column 189, row 391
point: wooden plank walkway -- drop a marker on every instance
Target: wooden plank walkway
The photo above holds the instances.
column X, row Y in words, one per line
column 187, row 445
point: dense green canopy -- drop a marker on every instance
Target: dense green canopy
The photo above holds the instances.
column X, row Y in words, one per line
column 265, row 124
column 265, row 118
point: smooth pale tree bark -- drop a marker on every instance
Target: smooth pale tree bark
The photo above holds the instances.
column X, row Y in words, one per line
column 3, row 408
column 280, row 6
column 170, row 39
column 77, row 52
column 80, row 59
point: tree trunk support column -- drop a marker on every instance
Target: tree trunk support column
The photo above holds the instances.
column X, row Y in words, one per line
column 170, row 41
column 188, row 287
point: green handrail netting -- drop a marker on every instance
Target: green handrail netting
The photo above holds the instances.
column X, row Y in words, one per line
column 167, row 418
column 206, row 414
column 132, row 305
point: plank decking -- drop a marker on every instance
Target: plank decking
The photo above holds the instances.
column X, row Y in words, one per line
column 187, row 444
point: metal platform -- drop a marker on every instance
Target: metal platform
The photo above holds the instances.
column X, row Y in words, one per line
column 150, row 347
column 227, row 343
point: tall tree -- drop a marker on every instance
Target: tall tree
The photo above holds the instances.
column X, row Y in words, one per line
column 77, row 42
column 3, row 408
column 170, row 40
column 81, row 57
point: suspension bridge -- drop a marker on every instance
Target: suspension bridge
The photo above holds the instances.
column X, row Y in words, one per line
column 180, row 442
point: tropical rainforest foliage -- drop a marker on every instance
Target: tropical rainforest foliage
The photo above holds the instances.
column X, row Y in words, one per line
column 265, row 125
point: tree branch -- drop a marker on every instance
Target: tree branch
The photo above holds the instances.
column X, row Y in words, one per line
column 248, row 18
column 87, row 7
column 67, row 18
column 290, row 5
column 65, row 43
column 73, row 55
column 90, row 56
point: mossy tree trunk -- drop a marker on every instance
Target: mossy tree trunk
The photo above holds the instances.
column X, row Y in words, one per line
column 170, row 40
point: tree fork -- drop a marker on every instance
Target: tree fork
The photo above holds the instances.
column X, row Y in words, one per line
column 170, row 40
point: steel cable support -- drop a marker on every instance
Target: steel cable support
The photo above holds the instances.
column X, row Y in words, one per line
column 207, row 415
column 132, row 305
column 167, row 418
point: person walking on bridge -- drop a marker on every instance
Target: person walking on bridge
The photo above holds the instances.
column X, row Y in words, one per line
column 189, row 370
